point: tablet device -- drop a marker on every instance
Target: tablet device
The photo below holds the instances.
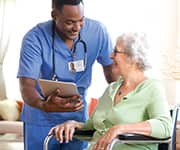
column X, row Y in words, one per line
column 66, row 88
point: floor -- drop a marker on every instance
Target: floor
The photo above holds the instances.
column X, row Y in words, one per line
column 11, row 142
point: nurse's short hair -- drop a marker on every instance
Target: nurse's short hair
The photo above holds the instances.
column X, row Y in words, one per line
column 58, row 4
column 135, row 46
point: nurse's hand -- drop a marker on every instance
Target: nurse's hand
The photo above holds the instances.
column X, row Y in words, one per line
column 56, row 103
column 65, row 131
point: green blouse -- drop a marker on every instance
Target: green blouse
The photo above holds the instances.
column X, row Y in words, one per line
column 146, row 102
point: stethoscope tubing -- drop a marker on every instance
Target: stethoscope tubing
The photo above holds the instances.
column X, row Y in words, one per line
column 78, row 41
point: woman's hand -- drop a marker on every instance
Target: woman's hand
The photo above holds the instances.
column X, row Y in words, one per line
column 65, row 130
column 104, row 141
column 139, row 128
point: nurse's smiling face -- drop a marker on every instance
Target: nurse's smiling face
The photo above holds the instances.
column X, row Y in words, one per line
column 69, row 21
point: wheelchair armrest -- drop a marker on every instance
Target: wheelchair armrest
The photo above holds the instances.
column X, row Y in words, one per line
column 137, row 138
column 84, row 132
column 125, row 138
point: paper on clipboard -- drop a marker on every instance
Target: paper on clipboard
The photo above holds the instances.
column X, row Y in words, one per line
column 66, row 88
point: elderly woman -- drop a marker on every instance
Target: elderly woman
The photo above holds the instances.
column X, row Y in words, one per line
column 134, row 103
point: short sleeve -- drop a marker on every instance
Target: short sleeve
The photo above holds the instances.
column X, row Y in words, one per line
column 106, row 48
column 30, row 56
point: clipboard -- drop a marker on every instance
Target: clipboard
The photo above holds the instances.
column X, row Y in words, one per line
column 67, row 88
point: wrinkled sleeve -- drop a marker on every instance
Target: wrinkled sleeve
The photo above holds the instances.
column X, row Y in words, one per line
column 158, row 110
column 30, row 56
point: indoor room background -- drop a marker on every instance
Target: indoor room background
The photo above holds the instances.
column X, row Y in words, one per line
column 158, row 19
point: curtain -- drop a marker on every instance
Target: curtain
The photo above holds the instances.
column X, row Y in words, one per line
column 6, row 26
column 177, row 73
column 178, row 23
column 176, row 64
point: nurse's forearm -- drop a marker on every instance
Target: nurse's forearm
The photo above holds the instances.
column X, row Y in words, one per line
column 29, row 93
column 110, row 77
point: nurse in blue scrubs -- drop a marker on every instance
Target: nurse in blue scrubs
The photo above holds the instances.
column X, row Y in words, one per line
column 48, row 51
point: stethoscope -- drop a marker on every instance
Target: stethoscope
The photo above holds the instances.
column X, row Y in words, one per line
column 78, row 41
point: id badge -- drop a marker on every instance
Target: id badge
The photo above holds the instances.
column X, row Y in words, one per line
column 76, row 66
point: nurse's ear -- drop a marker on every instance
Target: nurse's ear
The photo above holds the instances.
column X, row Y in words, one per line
column 53, row 14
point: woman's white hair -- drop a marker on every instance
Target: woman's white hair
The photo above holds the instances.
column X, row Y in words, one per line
column 135, row 46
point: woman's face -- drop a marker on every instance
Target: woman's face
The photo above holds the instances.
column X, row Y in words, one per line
column 121, row 61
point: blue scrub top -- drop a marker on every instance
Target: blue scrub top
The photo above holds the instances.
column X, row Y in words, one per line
column 36, row 62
